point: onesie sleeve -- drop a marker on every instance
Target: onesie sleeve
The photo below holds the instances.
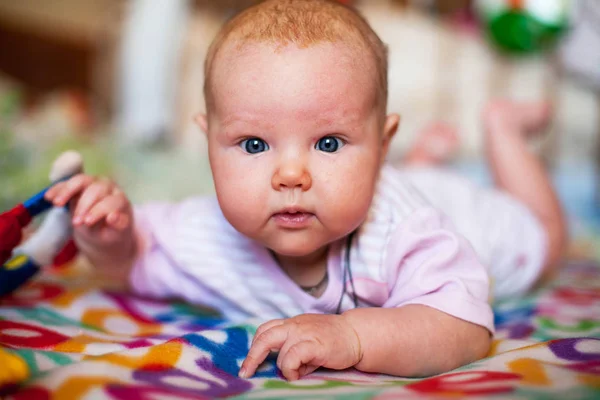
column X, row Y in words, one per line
column 427, row 262
column 157, row 272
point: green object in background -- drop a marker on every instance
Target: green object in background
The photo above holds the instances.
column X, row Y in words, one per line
column 524, row 26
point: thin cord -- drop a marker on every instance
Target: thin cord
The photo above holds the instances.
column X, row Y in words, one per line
column 347, row 272
column 354, row 296
column 339, row 306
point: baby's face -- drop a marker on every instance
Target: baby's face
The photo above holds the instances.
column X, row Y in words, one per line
column 295, row 143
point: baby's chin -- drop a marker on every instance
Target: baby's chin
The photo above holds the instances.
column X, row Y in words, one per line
column 304, row 242
column 297, row 247
column 295, row 250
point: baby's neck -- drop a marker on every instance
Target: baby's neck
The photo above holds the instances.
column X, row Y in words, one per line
column 305, row 271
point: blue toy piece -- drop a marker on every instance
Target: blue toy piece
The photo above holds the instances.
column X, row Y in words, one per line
column 16, row 272
column 37, row 204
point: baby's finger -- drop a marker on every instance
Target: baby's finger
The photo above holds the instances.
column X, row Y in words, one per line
column 266, row 326
column 60, row 193
column 287, row 346
column 283, row 351
column 54, row 190
column 92, row 195
column 298, row 360
column 118, row 220
column 271, row 340
column 103, row 208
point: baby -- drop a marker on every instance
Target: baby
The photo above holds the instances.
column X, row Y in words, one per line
column 351, row 262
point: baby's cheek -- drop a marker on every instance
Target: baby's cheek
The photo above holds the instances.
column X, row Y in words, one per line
column 242, row 203
column 345, row 206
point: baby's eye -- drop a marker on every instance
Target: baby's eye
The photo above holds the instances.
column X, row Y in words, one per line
column 329, row 144
column 254, row 145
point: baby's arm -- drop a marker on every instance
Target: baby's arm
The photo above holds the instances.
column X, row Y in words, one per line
column 437, row 316
column 415, row 340
column 409, row 341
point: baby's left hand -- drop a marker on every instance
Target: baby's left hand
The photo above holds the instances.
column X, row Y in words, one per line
column 305, row 343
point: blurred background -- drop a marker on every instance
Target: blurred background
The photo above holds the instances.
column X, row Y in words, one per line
column 120, row 81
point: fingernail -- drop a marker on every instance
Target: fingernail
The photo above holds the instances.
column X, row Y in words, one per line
column 243, row 373
column 77, row 220
column 89, row 219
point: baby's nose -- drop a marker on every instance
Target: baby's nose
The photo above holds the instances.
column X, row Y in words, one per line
column 291, row 174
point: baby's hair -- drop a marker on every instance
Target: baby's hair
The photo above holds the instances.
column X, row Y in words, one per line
column 303, row 23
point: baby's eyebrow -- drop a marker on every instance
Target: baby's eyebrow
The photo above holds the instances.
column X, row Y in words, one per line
column 233, row 119
column 245, row 124
column 240, row 120
column 333, row 119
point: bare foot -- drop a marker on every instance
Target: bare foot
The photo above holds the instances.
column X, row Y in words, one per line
column 434, row 145
column 527, row 119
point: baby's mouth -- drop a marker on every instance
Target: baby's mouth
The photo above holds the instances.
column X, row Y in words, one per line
column 293, row 219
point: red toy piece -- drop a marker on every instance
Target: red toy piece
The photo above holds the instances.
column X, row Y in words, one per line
column 67, row 254
column 12, row 223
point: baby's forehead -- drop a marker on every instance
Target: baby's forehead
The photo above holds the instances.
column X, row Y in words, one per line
column 343, row 57
column 263, row 79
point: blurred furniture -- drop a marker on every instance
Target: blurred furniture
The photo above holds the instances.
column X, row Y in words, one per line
column 50, row 45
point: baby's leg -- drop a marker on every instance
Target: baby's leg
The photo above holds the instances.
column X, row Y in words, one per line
column 434, row 145
column 519, row 172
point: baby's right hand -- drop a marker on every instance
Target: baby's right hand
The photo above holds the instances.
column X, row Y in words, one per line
column 102, row 214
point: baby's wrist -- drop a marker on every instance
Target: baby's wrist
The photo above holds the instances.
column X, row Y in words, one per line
column 116, row 254
column 350, row 321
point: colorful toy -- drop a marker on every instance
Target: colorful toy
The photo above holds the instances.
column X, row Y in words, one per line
column 47, row 242
column 524, row 26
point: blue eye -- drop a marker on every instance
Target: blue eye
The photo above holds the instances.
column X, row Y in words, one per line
column 329, row 144
column 254, row 145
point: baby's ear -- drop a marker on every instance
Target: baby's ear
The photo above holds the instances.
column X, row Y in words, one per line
column 202, row 122
column 392, row 122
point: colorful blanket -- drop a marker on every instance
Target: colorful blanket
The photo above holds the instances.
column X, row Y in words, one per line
column 65, row 336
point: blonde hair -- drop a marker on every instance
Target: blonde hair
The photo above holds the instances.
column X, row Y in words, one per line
column 303, row 23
